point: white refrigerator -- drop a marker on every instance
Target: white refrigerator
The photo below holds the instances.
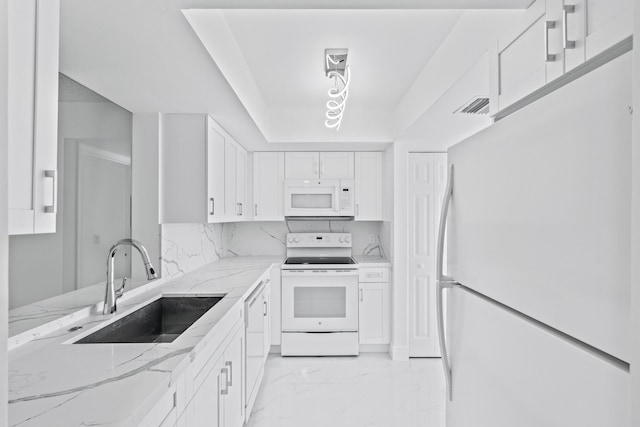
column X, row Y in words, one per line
column 535, row 299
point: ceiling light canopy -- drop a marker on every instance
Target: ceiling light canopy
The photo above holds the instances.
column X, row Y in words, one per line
column 336, row 68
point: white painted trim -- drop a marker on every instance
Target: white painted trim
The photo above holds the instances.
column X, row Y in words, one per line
column 399, row 354
column 635, row 228
column 375, row 348
column 4, row 239
column 84, row 150
column 370, row 4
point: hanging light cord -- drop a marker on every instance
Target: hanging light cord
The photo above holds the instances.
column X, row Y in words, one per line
column 337, row 103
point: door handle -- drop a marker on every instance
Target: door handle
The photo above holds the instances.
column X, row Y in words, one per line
column 255, row 210
column 265, row 309
column 443, row 282
column 549, row 57
column 566, row 10
column 229, row 367
column 212, row 206
column 361, row 295
column 53, row 207
column 224, row 371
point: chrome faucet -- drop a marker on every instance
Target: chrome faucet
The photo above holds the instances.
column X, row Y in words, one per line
column 112, row 295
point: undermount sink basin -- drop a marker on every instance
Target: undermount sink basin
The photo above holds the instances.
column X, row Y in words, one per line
column 160, row 321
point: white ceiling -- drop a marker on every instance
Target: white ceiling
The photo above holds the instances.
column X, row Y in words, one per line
column 266, row 84
column 274, row 60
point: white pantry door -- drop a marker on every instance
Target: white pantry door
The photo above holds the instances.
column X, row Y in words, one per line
column 427, row 180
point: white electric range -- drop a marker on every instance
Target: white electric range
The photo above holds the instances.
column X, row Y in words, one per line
column 319, row 296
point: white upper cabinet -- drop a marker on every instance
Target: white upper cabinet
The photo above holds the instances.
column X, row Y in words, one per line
column 202, row 171
column 369, row 186
column 33, row 115
column 324, row 165
column 530, row 55
column 336, row 165
column 607, row 22
column 231, row 207
column 553, row 38
column 215, row 172
column 268, row 186
column 235, row 180
column 241, row 183
column 304, row 165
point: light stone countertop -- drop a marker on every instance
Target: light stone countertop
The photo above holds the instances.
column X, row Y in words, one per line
column 371, row 261
column 55, row 383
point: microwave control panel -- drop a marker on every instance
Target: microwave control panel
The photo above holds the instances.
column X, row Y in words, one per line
column 346, row 197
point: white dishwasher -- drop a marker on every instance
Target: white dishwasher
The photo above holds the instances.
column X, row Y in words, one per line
column 255, row 309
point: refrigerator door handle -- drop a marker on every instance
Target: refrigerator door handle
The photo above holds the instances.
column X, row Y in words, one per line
column 444, row 355
column 442, row 228
column 444, row 282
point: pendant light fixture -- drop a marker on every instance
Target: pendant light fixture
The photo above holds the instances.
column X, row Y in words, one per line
column 336, row 68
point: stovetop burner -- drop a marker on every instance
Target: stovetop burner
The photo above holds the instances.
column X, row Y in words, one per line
column 309, row 260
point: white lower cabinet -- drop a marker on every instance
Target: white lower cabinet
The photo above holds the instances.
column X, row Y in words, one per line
column 217, row 398
column 373, row 313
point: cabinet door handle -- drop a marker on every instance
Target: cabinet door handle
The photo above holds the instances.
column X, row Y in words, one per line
column 316, row 170
column 229, row 366
column 53, row 207
column 566, row 10
column 361, row 295
column 549, row 57
column 265, row 309
column 322, row 169
column 241, row 209
column 255, row 210
column 357, row 209
column 224, row 371
column 212, row 206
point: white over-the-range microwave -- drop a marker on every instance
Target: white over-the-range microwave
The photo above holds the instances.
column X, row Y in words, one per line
column 319, row 198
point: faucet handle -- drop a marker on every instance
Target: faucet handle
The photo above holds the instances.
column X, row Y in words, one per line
column 120, row 291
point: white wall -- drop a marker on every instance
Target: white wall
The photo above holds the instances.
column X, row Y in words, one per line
column 3, row 215
column 106, row 126
column 145, row 188
column 635, row 229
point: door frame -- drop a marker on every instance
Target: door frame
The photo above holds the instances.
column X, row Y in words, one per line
column 84, row 150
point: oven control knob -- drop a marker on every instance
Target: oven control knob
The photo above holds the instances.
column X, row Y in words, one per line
column 341, row 240
column 347, row 239
column 290, row 239
column 296, row 240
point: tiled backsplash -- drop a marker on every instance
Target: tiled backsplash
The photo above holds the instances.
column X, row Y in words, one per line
column 186, row 247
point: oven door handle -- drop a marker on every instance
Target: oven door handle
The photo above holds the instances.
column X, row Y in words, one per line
column 320, row 273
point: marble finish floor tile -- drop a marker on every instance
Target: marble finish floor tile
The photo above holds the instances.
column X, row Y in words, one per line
column 366, row 391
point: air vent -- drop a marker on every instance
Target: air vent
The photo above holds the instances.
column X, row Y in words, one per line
column 478, row 105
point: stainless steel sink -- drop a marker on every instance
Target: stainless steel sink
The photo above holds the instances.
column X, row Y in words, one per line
column 160, row 321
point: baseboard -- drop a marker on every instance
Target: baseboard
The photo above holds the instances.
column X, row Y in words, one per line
column 374, row 348
column 399, row 353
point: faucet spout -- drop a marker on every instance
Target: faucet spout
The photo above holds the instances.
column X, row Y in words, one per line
column 111, row 295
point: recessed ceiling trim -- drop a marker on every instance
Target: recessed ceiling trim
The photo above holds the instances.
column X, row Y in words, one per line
column 362, row 4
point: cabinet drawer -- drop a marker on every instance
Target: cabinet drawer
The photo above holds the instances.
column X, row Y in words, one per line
column 374, row 274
